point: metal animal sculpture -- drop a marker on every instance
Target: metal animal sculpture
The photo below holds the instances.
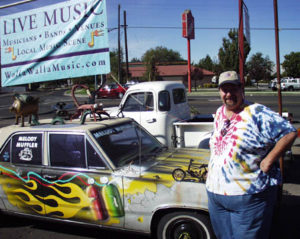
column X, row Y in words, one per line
column 25, row 105
column 91, row 108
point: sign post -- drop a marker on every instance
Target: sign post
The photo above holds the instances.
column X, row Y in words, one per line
column 188, row 32
column 241, row 42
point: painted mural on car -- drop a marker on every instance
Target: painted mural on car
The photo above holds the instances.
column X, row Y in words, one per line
column 144, row 177
column 81, row 196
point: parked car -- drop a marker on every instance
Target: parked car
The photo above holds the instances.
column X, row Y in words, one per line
column 290, row 84
column 287, row 83
column 110, row 174
column 112, row 91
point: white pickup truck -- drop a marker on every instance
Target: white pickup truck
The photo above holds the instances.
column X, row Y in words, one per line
column 162, row 108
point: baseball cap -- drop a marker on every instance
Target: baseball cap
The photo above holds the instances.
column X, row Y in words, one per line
column 229, row 77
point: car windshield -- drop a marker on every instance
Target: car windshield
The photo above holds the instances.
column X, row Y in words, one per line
column 127, row 144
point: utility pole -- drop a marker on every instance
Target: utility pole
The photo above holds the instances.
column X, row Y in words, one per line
column 281, row 162
column 126, row 47
column 277, row 56
column 241, row 42
column 119, row 48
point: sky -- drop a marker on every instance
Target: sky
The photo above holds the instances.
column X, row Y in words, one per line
column 153, row 23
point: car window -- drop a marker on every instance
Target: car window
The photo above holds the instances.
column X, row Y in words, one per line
column 164, row 101
column 124, row 143
column 142, row 101
column 27, row 149
column 94, row 159
column 5, row 153
column 67, row 150
column 179, row 96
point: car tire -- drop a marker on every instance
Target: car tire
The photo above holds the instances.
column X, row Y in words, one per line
column 291, row 88
column 120, row 95
column 182, row 224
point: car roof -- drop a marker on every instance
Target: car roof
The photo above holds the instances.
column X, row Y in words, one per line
column 74, row 126
column 157, row 85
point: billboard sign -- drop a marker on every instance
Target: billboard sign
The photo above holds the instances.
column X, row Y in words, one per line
column 60, row 41
column 188, row 27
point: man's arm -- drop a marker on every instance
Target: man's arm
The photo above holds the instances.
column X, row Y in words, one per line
column 280, row 147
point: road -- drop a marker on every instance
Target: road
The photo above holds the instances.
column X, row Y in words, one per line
column 208, row 104
column 288, row 222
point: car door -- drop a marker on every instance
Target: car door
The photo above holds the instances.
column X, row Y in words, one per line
column 20, row 178
column 140, row 106
column 82, row 188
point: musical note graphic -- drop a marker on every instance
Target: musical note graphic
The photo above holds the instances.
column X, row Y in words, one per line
column 94, row 34
column 11, row 49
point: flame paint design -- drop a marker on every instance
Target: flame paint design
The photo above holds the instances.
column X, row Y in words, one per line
column 64, row 198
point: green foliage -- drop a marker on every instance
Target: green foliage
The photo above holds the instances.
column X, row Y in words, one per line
column 229, row 52
column 135, row 59
column 259, row 67
column 155, row 56
column 162, row 55
column 206, row 63
column 210, row 85
column 114, row 64
column 291, row 64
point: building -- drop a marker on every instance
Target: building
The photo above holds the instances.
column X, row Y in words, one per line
column 177, row 72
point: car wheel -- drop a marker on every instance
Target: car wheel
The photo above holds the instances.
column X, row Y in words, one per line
column 291, row 88
column 120, row 95
column 179, row 225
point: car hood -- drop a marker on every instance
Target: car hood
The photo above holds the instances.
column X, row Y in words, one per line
column 167, row 161
column 164, row 165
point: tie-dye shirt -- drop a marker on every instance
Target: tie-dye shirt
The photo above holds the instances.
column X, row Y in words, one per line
column 238, row 146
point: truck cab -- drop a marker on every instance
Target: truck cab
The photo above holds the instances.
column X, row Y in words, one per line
column 156, row 106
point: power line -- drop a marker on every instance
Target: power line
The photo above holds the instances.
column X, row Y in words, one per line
column 216, row 28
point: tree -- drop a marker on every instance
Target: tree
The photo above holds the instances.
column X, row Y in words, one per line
column 259, row 67
column 206, row 63
column 158, row 55
column 291, row 64
column 162, row 55
column 229, row 52
column 196, row 74
column 114, row 65
column 135, row 59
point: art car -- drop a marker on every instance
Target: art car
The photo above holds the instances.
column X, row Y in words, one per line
column 111, row 173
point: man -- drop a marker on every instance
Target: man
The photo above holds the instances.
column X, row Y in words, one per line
column 243, row 173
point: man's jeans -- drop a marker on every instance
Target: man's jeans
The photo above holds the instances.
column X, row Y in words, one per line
column 242, row 217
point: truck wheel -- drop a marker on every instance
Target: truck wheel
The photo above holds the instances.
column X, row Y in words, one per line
column 178, row 225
